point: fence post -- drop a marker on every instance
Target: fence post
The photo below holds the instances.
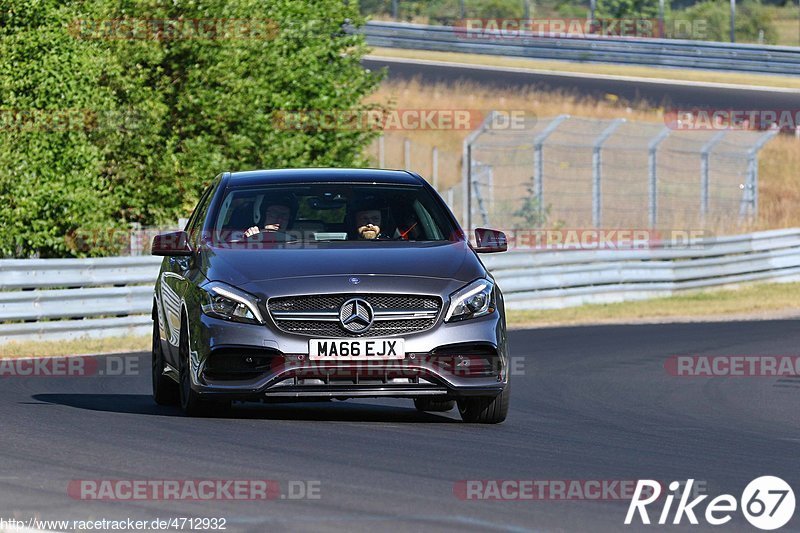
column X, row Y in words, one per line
column 477, row 192
column 705, row 152
column 490, row 182
column 435, row 168
column 750, row 192
column 597, row 163
column 407, row 154
column 652, row 175
column 382, row 151
column 538, row 161
column 136, row 238
column 466, row 171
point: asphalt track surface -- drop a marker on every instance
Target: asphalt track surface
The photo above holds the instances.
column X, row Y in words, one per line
column 588, row 403
column 633, row 91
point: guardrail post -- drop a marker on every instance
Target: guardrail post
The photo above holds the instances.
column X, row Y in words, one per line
column 652, row 175
column 597, row 162
column 750, row 193
column 538, row 160
column 407, row 154
column 466, row 171
column 705, row 152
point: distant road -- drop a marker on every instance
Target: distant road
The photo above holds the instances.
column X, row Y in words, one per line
column 655, row 92
column 588, row 403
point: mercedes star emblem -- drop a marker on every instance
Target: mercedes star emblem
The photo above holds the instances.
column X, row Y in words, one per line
column 356, row 315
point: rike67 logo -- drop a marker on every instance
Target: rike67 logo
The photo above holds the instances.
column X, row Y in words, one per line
column 767, row 503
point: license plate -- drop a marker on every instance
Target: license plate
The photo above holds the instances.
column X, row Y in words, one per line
column 355, row 349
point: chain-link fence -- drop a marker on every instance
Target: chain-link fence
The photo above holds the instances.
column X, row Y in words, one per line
column 578, row 172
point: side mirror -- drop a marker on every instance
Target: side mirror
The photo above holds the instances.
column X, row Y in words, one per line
column 171, row 244
column 489, row 241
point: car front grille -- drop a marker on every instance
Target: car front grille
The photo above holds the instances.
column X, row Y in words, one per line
column 318, row 315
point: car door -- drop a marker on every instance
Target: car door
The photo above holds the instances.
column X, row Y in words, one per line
column 177, row 274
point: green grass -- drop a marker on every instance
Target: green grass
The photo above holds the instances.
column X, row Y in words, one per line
column 787, row 24
column 763, row 300
column 75, row 347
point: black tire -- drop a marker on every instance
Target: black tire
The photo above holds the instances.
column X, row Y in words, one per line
column 434, row 405
column 485, row 410
column 165, row 390
column 191, row 402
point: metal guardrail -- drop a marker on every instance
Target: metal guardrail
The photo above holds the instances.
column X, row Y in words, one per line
column 557, row 279
column 664, row 52
column 49, row 299
column 54, row 299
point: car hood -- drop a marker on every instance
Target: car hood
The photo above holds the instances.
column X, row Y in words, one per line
column 446, row 261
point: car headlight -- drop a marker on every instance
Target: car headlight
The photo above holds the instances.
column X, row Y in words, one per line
column 229, row 303
column 474, row 300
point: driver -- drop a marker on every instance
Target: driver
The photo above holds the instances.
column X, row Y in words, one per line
column 276, row 218
column 368, row 224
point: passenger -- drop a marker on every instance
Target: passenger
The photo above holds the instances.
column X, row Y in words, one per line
column 412, row 231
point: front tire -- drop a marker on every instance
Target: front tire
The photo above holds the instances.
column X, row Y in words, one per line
column 434, row 405
column 165, row 390
column 191, row 402
column 485, row 410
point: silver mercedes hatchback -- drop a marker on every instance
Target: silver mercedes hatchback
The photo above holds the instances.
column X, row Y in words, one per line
column 320, row 284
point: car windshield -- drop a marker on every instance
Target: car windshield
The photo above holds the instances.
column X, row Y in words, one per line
column 331, row 212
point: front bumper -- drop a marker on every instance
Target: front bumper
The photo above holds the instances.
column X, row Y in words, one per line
column 248, row 362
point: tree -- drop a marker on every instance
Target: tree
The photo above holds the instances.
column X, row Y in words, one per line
column 215, row 100
column 627, row 9
column 532, row 212
column 171, row 105
column 52, row 182
column 714, row 19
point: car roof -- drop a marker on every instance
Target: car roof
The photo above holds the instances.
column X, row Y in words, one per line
column 311, row 175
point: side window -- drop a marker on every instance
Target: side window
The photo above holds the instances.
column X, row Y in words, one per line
column 196, row 220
